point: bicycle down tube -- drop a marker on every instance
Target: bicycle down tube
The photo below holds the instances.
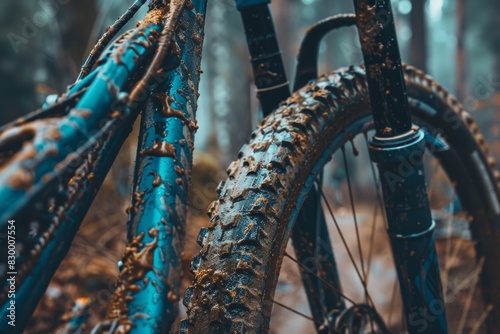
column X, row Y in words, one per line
column 63, row 160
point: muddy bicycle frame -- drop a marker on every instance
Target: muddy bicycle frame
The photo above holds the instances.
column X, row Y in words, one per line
column 55, row 159
column 65, row 150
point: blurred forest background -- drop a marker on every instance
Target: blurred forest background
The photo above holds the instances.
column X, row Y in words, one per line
column 455, row 41
column 44, row 42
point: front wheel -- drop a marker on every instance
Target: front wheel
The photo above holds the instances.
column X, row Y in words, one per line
column 237, row 270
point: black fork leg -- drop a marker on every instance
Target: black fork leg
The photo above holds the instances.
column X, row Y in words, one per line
column 398, row 148
column 317, row 264
column 269, row 71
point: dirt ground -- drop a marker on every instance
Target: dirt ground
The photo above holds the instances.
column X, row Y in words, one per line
column 90, row 269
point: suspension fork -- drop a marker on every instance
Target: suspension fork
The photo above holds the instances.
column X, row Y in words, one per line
column 269, row 72
column 397, row 148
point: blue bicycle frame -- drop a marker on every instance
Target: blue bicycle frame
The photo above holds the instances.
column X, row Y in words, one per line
column 53, row 162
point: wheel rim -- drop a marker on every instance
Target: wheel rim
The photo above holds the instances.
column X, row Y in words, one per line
column 448, row 250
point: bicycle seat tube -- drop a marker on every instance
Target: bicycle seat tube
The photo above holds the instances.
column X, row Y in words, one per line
column 398, row 148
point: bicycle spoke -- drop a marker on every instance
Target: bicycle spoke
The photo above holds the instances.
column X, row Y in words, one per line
column 378, row 206
column 393, row 301
column 363, row 282
column 448, row 247
column 341, row 235
column 372, row 242
column 294, row 311
column 108, row 235
column 101, row 225
column 319, row 184
column 433, row 172
column 453, row 256
column 376, row 181
column 465, row 282
column 481, row 319
column 353, row 209
column 470, row 296
column 372, row 327
column 320, row 278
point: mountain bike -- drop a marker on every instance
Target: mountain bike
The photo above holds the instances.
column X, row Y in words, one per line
column 274, row 192
column 54, row 160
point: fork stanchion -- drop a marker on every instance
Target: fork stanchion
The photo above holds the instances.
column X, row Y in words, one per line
column 269, row 72
column 384, row 72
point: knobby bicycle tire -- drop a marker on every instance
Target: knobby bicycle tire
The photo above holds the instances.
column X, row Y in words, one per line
column 237, row 269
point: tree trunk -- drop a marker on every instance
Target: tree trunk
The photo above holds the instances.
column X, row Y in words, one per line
column 41, row 41
column 496, row 55
column 282, row 11
column 76, row 19
column 461, row 84
column 418, row 42
column 229, row 78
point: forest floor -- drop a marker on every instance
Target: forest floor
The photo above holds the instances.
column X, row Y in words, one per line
column 90, row 270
